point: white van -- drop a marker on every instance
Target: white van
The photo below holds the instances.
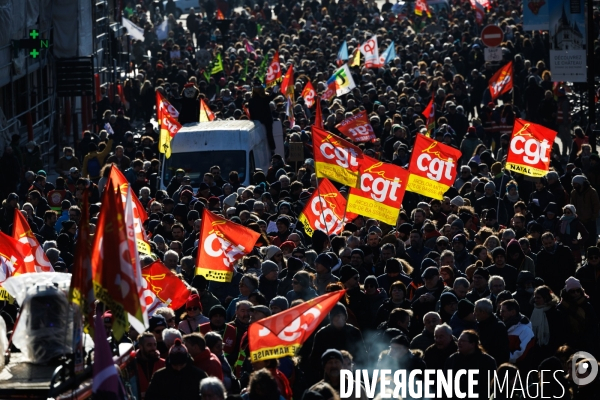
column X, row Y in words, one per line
column 232, row 145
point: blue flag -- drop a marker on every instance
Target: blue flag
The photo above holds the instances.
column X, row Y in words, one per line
column 389, row 54
column 342, row 54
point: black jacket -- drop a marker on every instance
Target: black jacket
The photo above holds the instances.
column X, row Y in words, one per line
column 348, row 338
column 169, row 384
column 479, row 361
column 494, row 338
column 555, row 268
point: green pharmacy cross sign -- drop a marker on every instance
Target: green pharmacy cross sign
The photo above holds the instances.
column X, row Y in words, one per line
column 34, row 44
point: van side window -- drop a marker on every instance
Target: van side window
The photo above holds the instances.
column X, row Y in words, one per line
column 252, row 164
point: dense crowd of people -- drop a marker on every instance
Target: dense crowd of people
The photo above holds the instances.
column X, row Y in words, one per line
column 501, row 275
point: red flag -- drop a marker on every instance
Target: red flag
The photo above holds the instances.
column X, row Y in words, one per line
column 529, row 149
column 162, row 288
column 502, row 81
column 220, row 15
column 163, row 106
column 112, row 272
column 35, row 258
column 479, row 11
column 336, row 158
column 274, row 71
column 221, row 243
column 12, row 256
column 421, row 6
column 329, row 93
column 429, row 113
column 325, row 210
column 308, row 94
column 318, row 114
column 287, row 85
column 357, row 127
column 284, row 333
column 206, row 114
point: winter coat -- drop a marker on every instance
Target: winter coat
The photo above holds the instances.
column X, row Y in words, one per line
column 422, row 308
column 508, row 272
column 520, row 338
column 386, row 308
column 556, row 267
column 322, row 280
column 169, row 384
column 589, row 278
column 436, row 358
column 422, row 341
column 543, row 197
column 576, row 228
column 494, row 338
column 581, row 324
column 479, row 361
column 373, row 303
column 307, row 294
column 459, row 325
column 267, row 287
column 348, row 338
column 586, row 203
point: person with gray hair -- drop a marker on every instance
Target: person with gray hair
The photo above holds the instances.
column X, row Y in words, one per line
column 443, row 347
column 188, row 268
column 425, row 338
column 248, row 284
column 53, row 255
column 171, row 260
column 168, row 314
column 492, row 332
column 212, row 388
column 460, row 288
column 49, row 244
column 169, row 335
column 146, row 260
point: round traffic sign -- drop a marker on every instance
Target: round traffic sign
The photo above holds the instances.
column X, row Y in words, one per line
column 492, row 35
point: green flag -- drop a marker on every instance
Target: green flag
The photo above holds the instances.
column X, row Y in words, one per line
column 262, row 70
column 218, row 65
column 258, row 29
column 244, row 74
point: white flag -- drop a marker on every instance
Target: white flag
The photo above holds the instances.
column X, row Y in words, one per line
column 371, row 52
column 132, row 29
column 343, row 81
column 162, row 31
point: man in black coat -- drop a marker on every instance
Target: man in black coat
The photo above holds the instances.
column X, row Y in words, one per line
column 492, row 331
column 260, row 110
column 589, row 277
column 554, row 263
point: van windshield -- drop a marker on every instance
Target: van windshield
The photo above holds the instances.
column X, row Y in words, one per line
column 196, row 164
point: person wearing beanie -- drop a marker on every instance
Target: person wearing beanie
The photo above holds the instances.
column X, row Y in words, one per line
column 464, row 318
column 489, row 200
column 323, row 265
column 511, row 197
column 587, row 275
column 339, row 335
column 427, row 296
column 581, row 331
column 283, row 223
column 448, row 306
column 357, row 258
column 502, row 268
column 374, row 296
column 268, row 282
column 393, row 271
column 349, row 277
column 193, row 316
column 278, row 304
column 227, row 331
column 179, row 369
column 401, row 357
column 585, row 199
column 455, row 203
column 302, row 288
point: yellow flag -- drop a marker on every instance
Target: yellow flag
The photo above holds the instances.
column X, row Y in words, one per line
column 355, row 61
column 164, row 144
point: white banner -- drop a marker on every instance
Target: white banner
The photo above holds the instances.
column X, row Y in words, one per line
column 133, row 30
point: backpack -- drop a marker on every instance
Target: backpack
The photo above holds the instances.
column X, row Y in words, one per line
column 94, row 167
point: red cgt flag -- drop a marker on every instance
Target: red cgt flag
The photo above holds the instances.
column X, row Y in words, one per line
column 529, row 149
column 221, row 243
column 287, row 85
column 163, row 288
column 325, row 210
column 502, row 81
column 12, row 256
column 274, row 72
column 357, row 127
column 35, row 258
column 429, row 113
column 308, row 94
column 282, row 334
column 336, row 158
column 164, row 107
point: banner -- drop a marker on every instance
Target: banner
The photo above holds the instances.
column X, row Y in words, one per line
column 388, row 55
column 162, row 30
column 371, row 52
column 433, row 167
column 502, row 81
column 536, row 15
column 132, row 29
column 164, row 107
column 355, row 59
column 274, row 71
column 568, row 60
column 318, row 114
column 357, row 127
column 12, row 256
column 35, row 257
column 284, row 333
column 335, row 158
column 382, row 188
column 325, row 210
column 329, row 93
column 529, row 149
column 222, row 243
column 287, row 85
column 168, row 129
column 206, row 114
column 479, row 11
column 162, row 288
column 308, row 94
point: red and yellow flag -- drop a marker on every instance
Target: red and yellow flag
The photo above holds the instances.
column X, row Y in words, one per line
column 220, row 15
column 113, row 274
column 274, row 72
column 206, row 114
column 164, row 107
column 357, row 127
column 35, row 258
column 222, row 243
column 282, row 334
column 529, row 149
column 502, row 81
column 429, row 113
column 325, row 210
column 433, row 167
column 381, row 191
column 308, row 94
column 336, row 158
column 287, row 85
column 169, row 127
column 12, row 256
column 422, row 7
column 162, row 288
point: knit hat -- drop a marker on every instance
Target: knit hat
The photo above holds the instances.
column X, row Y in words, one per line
column 325, row 260
column 280, row 301
column 401, row 340
column 592, row 251
column 359, row 252
column 266, row 311
column 572, row 283
column 498, row 251
column 294, row 264
column 457, row 201
column 459, row 238
column 178, row 348
column 284, row 220
column 270, row 251
column 155, row 321
column 339, row 308
column 371, row 280
column 158, row 239
column 303, row 279
column 347, row 272
column 570, row 207
column 405, row 228
column 490, row 185
column 579, row 179
column 447, row 298
column 426, row 263
column 392, row 266
column 458, row 223
column 482, row 272
column 268, row 267
column 465, row 307
column 193, row 301
column 510, row 186
column 217, row 310
column 552, row 175
column 230, row 200
column 331, row 354
column 430, row 272
column 288, row 244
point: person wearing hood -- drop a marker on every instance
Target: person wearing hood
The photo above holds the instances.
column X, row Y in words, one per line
column 520, row 333
column 323, row 265
column 540, row 198
column 468, row 145
column 374, row 298
column 550, row 221
column 546, row 323
column 492, row 331
column 301, row 288
column 554, row 263
column 179, row 379
column 572, row 233
column 268, row 282
column 579, row 317
column 586, row 202
column 517, row 258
